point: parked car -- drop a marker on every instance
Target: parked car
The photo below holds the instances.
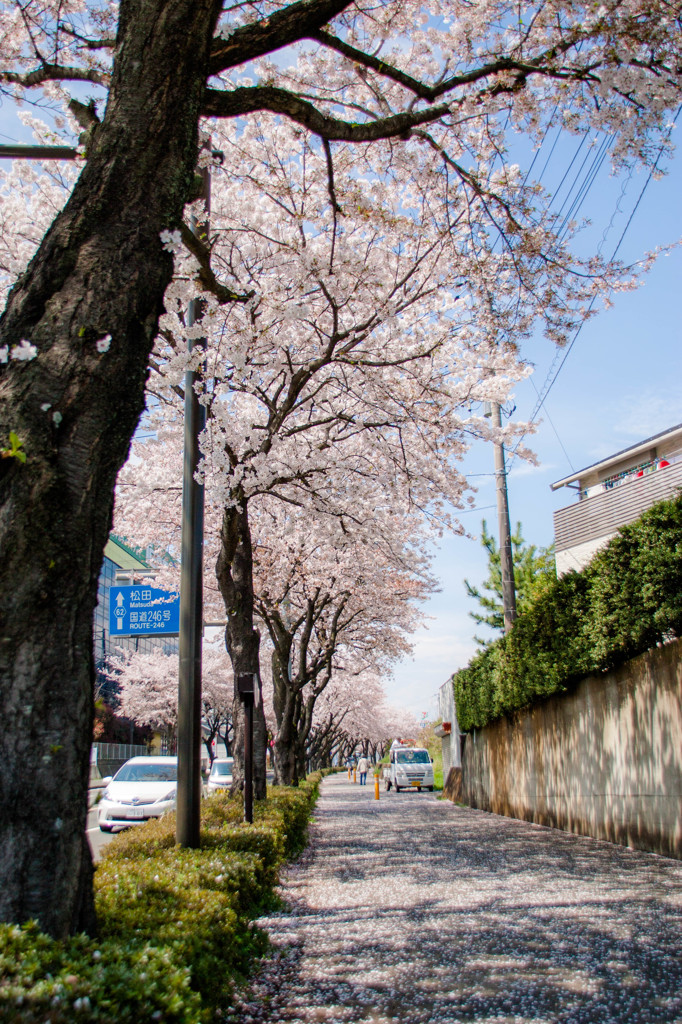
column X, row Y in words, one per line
column 144, row 787
column 409, row 768
column 221, row 774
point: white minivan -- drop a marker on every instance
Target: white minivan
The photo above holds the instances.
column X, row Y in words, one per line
column 409, row 768
column 221, row 774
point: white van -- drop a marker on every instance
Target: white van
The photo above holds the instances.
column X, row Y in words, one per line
column 409, row 768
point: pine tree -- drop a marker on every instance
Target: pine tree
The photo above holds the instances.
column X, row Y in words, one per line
column 534, row 569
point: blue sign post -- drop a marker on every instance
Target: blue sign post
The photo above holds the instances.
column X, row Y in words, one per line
column 143, row 611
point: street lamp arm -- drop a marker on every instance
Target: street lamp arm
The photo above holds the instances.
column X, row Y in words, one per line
column 39, row 153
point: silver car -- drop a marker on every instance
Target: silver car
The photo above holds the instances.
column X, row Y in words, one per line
column 144, row 787
column 221, row 774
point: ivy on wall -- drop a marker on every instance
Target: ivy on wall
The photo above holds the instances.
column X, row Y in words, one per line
column 626, row 601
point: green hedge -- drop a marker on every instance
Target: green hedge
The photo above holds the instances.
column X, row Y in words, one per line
column 176, row 926
column 626, row 601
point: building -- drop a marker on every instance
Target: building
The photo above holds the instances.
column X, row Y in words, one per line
column 613, row 492
column 448, row 732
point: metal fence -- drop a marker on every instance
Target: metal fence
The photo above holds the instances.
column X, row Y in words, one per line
column 107, row 758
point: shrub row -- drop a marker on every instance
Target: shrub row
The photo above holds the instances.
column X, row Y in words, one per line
column 176, row 926
column 626, row 601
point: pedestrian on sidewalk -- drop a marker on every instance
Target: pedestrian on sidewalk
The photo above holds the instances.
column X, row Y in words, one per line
column 363, row 768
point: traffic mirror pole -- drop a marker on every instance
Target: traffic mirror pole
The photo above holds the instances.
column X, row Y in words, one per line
column 39, row 152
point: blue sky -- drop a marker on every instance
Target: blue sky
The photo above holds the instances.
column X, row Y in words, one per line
column 621, row 383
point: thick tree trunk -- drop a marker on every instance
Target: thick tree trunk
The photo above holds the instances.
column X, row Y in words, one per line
column 285, row 748
column 234, row 571
column 285, row 703
column 100, row 271
column 304, row 725
column 260, row 741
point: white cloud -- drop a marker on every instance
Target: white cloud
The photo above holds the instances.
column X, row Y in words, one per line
column 648, row 413
column 520, row 469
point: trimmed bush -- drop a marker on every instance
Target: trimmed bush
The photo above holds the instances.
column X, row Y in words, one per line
column 626, row 601
column 176, row 926
column 81, row 980
column 193, row 903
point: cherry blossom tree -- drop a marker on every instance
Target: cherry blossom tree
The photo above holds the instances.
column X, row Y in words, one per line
column 148, row 690
column 434, row 87
column 338, row 388
column 317, row 588
column 329, row 600
column 353, row 714
column 357, row 351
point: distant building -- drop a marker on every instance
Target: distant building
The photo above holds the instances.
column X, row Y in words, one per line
column 613, row 492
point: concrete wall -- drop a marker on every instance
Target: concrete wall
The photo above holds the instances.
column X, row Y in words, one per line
column 603, row 761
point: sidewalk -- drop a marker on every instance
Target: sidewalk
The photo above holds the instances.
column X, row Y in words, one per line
column 412, row 910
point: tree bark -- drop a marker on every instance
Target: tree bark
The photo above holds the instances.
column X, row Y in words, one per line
column 100, row 271
column 234, row 571
column 284, row 754
column 304, row 725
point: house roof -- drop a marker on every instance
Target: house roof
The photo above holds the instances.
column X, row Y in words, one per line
column 633, row 450
column 122, row 555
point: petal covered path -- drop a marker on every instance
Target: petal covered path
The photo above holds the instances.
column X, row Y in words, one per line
column 410, row 909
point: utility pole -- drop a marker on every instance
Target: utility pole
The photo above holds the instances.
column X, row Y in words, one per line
column 506, row 554
column 191, row 589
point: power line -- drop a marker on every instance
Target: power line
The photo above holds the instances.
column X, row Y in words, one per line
column 541, row 400
column 556, row 432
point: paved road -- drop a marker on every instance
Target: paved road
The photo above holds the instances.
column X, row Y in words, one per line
column 97, row 839
column 412, row 910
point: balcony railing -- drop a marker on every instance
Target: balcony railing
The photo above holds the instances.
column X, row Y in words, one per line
column 602, row 514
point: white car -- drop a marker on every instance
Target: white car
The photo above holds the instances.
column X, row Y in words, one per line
column 221, row 774
column 144, row 787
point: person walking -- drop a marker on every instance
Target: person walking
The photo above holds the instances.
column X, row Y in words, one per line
column 363, row 768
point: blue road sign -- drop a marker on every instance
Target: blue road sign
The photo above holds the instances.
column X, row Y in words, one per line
column 143, row 611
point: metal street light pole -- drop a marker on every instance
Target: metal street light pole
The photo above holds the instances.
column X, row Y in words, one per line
column 191, row 592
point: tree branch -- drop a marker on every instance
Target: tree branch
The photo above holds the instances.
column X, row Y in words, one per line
column 209, row 281
column 297, row 21
column 368, row 60
column 246, row 100
column 336, row 209
column 53, row 73
column 89, row 44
